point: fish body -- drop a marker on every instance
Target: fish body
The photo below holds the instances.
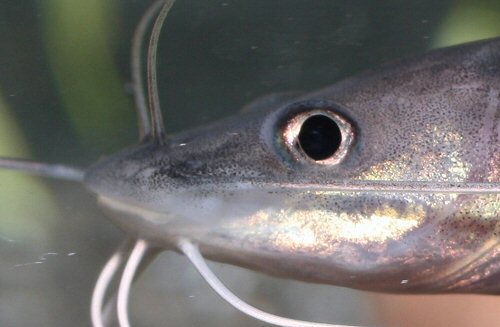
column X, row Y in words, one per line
column 248, row 194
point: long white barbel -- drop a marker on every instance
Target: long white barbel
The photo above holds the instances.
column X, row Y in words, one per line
column 105, row 278
column 193, row 253
column 138, row 253
column 56, row 171
column 158, row 128
column 144, row 121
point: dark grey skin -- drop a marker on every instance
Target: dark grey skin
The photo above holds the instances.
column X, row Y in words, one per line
column 246, row 192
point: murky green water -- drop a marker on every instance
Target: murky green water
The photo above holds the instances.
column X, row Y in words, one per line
column 64, row 98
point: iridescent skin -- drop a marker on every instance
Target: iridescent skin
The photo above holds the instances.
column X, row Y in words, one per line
column 434, row 118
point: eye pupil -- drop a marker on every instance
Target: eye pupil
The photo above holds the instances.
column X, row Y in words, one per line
column 319, row 137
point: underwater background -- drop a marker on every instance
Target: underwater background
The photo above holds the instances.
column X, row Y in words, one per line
column 65, row 98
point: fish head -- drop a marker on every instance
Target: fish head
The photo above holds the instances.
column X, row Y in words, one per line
column 271, row 188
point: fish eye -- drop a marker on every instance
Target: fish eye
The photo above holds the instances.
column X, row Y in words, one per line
column 319, row 136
